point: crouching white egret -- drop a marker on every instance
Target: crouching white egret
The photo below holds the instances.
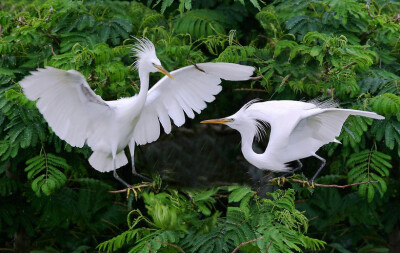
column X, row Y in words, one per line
column 78, row 116
column 298, row 130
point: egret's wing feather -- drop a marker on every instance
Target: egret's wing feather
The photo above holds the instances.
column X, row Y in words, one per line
column 67, row 103
column 187, row 93
column 323, row 126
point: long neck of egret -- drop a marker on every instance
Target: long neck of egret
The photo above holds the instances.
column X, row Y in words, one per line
column 132, row 110
column 144, row 77
column 247, row 135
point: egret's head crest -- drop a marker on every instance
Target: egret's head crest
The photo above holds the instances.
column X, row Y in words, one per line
column 143, row 49
column 248, row 104
column 252, row 117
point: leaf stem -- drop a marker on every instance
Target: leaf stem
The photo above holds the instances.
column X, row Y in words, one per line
column 328, row 185
column 172, row 245
column 247, row 242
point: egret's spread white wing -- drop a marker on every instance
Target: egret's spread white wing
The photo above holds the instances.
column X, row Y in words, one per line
column 67, row 103
column 322, row 126
column 189, row 91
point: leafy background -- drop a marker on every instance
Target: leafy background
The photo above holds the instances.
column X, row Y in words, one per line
column 205, row 197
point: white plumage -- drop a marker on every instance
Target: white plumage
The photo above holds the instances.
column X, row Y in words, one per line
column 298, row 130
column 78, row 116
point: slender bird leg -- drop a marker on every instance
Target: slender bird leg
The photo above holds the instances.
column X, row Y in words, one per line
column 128, row 186
column 121, row 180
column 132, row 151
column 319, row 170
column 139, row 175
column 282, row 179
column 116, row 175
column 294, row 170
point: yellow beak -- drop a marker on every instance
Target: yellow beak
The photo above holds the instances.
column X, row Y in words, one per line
column 162, row 70
column 216, row 121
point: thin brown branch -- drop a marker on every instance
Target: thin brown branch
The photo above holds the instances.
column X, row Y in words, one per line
column 250, row 89
column 134, row 84
column 269, row 245
column 111, row 224
column 255, row 77
column 50, row 13
column 52, row 50
column 328, row 185
column 172, row 245
column 349, row 65
column 285, row 79
column 265, row 37
column 366, row 43
column 148, row 246
column 0, row 30
column 244, row 243
column 198, row 68
column 126, row 189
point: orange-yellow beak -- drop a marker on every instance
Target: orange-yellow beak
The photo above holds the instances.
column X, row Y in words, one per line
column 216, row 121
column 162, row 70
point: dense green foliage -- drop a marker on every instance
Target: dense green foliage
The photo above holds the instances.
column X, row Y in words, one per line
column 188, row 222
column 52, row 201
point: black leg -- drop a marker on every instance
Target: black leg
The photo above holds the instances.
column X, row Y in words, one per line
column 320, row 168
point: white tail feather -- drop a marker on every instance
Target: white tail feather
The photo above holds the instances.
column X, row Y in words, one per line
column 103, row 162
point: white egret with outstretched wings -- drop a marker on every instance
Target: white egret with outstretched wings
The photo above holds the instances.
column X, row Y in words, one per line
column 78, row 116
column 298, row 130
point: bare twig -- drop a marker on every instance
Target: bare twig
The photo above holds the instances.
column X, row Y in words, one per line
column 330, row 71
column 135, row 186
column 269, row 245
column 265, row 37
column 349, row 65
column 249, row 89
column 111, row 224
column 134, row 84
column 195, row 65
column 52, row 50
column 198, row 68
column 285, row 79
column 0, row 30
column 366, row 43
column 326, row 185
column 244, row 243
column 172, row 245
column 148, row 246
column 255, row 77
column 50, row 12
